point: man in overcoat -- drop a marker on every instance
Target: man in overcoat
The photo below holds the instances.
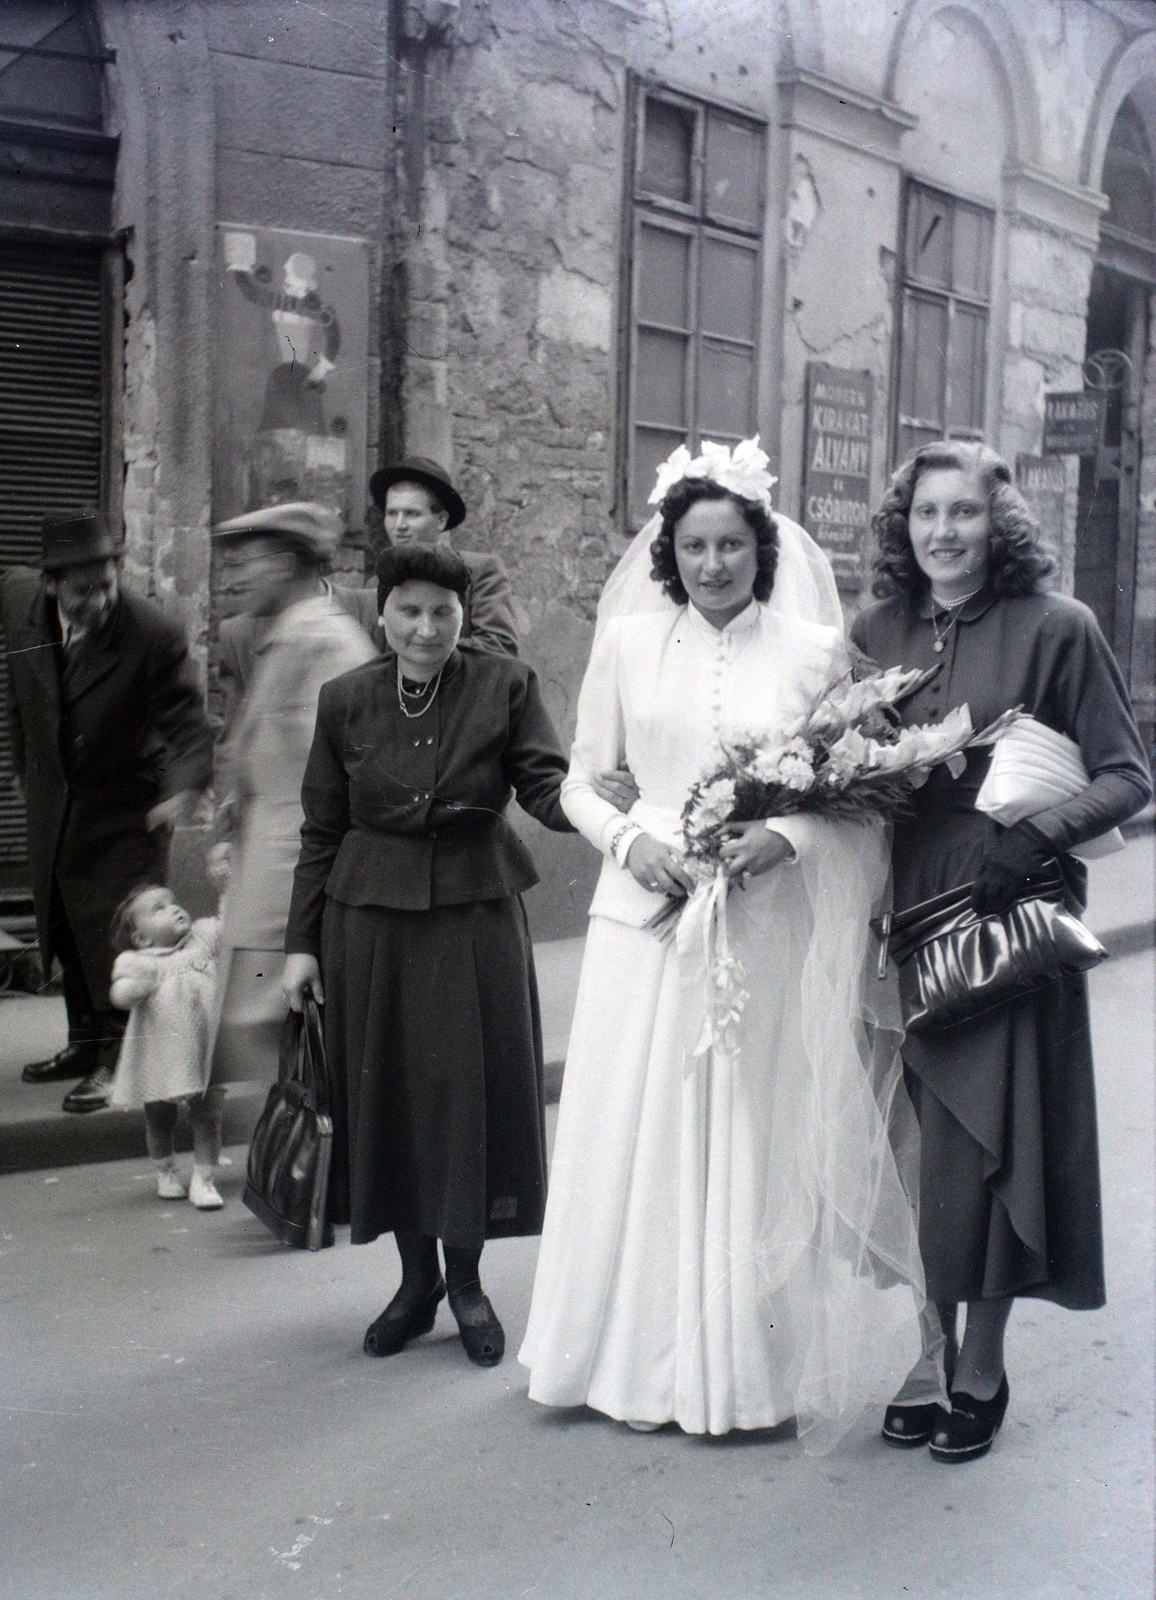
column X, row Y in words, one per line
column 112, row 747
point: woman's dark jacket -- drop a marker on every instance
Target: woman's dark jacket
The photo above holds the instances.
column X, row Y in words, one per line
column 1009, row 1185
column 408, row 813
column 1042, row 652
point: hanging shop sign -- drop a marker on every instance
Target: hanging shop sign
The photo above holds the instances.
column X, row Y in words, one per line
column 1042, row 480
column 837, row 466
column 1073, row 423
column 291, row 371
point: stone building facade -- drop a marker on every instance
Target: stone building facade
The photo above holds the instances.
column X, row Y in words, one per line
column 592, row 228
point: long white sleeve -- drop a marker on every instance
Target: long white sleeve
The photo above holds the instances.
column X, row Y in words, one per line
column 599, row 746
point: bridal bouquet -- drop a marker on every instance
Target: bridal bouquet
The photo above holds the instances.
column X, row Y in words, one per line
column 847, row 758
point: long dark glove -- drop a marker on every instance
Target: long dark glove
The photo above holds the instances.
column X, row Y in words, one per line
column 1017, row 855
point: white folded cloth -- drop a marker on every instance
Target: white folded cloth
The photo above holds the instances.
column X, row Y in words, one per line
column 1032, row 769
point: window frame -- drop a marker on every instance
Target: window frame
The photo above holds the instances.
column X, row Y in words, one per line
column 911, row 288
column 691, row 219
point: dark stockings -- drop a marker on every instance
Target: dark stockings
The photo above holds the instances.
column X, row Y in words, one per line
column 979, row 1370
column 467, row 1302
column 419, row 1272
column 419, row 1277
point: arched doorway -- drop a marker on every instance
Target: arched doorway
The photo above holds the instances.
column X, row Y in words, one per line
column 1118, row 335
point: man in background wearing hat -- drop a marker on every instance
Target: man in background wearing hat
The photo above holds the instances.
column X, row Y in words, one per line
column 112, row 746
column 300, row 637
column 421, row 505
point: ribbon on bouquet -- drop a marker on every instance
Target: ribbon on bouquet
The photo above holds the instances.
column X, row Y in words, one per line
column 711, row 978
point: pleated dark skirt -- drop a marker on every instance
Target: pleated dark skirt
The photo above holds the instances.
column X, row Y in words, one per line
column 1009, row 1194
column 434, row 1039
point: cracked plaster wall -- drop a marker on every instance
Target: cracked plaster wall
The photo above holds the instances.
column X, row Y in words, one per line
column 512, row 273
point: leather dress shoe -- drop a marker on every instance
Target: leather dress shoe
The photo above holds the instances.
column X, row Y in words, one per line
column 482, row 1335
column 389, row 1334
column 74, row 1061
column 91, row 1093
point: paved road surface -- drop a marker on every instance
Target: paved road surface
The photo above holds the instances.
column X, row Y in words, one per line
column 186, row 1412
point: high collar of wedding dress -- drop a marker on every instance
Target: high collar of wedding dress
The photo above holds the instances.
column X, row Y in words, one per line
column 737, row 628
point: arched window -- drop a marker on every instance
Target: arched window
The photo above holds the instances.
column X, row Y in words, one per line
column 1127, row 178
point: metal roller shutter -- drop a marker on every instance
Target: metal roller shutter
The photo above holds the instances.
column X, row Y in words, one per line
column 51, row 402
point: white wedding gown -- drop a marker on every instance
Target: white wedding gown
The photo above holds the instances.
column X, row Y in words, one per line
column 727, row 1243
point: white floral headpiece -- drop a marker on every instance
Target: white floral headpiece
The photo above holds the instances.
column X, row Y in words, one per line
column 742, row 471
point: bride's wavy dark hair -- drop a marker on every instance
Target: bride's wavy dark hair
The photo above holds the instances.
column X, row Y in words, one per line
column 675, row 505
column 1020, row 556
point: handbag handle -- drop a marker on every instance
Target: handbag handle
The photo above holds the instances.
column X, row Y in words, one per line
column 314, row 1069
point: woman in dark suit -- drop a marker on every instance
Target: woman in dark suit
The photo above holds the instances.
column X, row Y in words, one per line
column 407, row 900
column 1009, row 1189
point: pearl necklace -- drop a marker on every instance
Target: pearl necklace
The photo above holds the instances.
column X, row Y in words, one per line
column 954, row 607
column 416, row 694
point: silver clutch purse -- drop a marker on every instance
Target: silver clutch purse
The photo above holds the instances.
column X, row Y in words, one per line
column 955, row 965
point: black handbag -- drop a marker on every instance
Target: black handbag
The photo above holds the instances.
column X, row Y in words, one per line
column 954, row 965
column 292, row 1144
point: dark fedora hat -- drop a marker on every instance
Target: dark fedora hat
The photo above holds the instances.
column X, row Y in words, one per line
column 71, row 539
column 431, row 476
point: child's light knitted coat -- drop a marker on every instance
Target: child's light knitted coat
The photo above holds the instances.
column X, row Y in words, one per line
column 164, row 1055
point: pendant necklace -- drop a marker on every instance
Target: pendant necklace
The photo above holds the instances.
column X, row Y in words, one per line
column 417, row 694
column 954, row 608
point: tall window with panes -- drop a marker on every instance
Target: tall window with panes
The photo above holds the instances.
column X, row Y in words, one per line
column 943, row 319
column 693, row 289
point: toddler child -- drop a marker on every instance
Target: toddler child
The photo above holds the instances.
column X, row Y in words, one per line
column 165, row 976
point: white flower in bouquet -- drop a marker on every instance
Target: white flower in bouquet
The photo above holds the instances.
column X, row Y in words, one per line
column 715, row 803
column 848, row 758
column 791, row 763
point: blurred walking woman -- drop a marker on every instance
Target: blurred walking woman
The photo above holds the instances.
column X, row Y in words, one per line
column 1009, row 1188
column 406, row 900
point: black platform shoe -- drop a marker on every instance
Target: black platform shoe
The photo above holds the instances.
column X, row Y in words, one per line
column 967, row 1432
column 74, row 1061
column 389, row 1334
column 908, row 1426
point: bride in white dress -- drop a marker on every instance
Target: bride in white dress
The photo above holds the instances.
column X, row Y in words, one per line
column 727, row 1243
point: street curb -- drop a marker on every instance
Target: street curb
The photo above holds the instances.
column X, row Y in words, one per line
column 77, row 1140
column 70, row 1141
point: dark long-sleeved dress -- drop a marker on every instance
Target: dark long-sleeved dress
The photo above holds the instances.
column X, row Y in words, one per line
column 408, row 890
column 1010, row 1187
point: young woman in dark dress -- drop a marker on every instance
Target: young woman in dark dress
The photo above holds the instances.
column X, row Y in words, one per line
column 1010, row 1188
column 407, row 902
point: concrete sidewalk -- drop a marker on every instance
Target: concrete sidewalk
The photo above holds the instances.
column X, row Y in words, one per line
column 35, row 1133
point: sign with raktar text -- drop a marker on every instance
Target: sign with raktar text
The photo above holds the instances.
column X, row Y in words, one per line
column 1073, row 423
column 837, row 466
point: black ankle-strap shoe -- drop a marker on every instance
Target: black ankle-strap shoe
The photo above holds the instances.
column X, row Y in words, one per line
column 968, row 1430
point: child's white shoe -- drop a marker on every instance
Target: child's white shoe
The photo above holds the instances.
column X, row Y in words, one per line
column 169, row 1183
column 203, row 1191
